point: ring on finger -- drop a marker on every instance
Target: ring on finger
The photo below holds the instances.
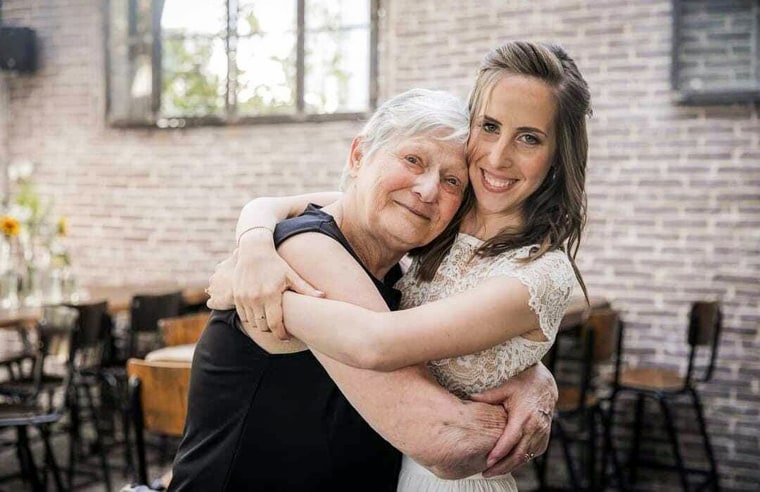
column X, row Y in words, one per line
column 529, row 456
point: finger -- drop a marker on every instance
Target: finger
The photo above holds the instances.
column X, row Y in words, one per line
column 494, row 396
column 511, row 436
column 296, row 283
column 260, row 319
column 274, row 319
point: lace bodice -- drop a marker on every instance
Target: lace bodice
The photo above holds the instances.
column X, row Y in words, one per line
column 550, row 281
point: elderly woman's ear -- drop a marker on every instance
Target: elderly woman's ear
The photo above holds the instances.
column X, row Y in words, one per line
column 356, row 155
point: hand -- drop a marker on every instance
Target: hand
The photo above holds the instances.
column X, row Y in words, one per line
column 220, row 285
column 260, row 277
column 529, row 400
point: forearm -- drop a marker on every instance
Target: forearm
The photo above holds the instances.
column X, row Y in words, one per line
column 420, row 418
column 268, row 211
column 345, row 332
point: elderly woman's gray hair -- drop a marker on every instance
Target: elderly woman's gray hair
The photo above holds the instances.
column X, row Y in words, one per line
column 414, row 113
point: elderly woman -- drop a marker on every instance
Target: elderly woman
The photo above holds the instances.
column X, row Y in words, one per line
column 485, row 304
column 263, row 414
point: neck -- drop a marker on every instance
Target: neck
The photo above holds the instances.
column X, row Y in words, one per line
column 485, row 225
column 377, row 257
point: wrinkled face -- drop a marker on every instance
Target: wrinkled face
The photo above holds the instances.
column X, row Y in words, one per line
column 409, row 192
column 512, row 143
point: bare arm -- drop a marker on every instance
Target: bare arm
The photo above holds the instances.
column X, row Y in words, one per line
column 485, row 316
column 411, row 411
column 261, row 302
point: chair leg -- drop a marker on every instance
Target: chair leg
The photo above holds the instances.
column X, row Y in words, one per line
column 26, row 452
column 591, row 449
column 50, row 457
column 708, row 445
column 674, row 443
column 94, row 414
column 609, row 452
column 568, row 457
column 74, row 436
column 633, row 460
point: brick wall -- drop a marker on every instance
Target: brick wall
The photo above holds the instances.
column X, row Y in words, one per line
column 674, row 192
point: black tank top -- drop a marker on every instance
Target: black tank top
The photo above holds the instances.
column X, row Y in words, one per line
column 277, row 422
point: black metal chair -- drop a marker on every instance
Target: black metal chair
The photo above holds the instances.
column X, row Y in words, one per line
column 89, row 345
column 580, row 406
column 145, row 312
column 663, row 385
column 25, row 404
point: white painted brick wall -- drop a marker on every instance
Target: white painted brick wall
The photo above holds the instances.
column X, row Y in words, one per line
column 674, row 192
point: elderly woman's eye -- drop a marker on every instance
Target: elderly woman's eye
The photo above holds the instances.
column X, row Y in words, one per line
column 490, row 127
column 412, row 160
column 453, row 181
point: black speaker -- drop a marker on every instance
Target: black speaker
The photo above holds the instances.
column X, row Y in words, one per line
column 18, row 49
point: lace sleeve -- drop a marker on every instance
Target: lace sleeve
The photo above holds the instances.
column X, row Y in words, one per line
column 550, row 281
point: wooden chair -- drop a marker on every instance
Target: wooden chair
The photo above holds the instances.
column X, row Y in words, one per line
column 158, row 402
column 183, row 330
column 663, row 385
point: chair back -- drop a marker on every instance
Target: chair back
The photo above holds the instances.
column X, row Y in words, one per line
column 145, row 311
column 55, row 338
column 183, row 330
column 93, row 335
column 705, row 326
column 158, row 401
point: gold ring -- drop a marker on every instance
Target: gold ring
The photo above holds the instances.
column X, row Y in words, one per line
column 529, row 456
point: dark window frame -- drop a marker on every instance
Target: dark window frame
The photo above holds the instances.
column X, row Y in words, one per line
column 230, row 118
column 688, row 96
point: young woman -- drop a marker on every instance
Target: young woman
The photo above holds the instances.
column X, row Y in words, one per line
column 485, row 305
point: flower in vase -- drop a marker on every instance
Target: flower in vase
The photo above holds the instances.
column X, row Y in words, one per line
column 10, row 226
column 62, row 227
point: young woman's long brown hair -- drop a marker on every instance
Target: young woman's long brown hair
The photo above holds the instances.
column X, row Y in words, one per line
column 555, row 214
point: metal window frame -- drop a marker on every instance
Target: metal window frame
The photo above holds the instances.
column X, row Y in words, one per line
column 231, row 117
column 686, row 96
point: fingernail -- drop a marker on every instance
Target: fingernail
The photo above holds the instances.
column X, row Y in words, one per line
column 490, row 462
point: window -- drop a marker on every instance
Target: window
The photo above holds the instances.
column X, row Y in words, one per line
column 174, row 63
column 716, row 51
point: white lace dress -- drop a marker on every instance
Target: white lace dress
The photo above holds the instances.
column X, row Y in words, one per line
column 550, row 281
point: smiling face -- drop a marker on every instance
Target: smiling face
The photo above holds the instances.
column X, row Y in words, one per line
column 511, row 146
column 406, row 194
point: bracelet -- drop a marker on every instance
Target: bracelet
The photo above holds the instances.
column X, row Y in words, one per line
column 252, row 228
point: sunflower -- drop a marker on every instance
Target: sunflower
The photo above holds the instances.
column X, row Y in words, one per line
column 9, row 225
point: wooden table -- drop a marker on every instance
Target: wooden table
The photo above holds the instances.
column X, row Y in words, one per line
column 118, row 297
column 175, row 353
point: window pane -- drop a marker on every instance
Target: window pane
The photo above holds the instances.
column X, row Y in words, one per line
column 194, row 77
column 337, row 71
column 207, row 17
column 337, row 14
column 266, row 66
column 260, row 16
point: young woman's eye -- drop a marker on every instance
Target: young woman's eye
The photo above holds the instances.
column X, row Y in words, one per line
column 530, row 139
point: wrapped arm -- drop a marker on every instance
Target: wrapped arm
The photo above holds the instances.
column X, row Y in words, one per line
column 487, row 315
column 260, row 275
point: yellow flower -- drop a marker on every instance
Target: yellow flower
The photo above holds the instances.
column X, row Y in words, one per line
column 9, row 225
column 63, row 226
